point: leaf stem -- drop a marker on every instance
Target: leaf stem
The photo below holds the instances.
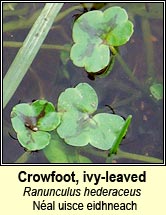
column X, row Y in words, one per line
column 148, row 49
column 16, row 12
column 148, row 159
column 127, row 70
column 126, row 101
column 14, row 44
column 23, row 158
column 27, row 23
column 121, row 154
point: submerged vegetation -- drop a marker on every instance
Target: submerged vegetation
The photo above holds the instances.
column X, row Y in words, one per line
column 77, row 129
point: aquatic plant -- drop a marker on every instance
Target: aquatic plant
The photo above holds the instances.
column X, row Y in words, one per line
column 74, row 121
column 156, row 90
column 94, row 33
column 32, row 121
column 47, row 128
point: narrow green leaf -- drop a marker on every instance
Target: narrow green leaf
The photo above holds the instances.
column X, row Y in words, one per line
column 122, row 133
column 29, row 50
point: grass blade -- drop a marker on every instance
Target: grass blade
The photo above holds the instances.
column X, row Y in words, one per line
column 28, row 51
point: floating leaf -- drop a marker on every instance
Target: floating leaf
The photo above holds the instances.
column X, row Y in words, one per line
column 157, row 91
column 56, row 151
column 79, row 127
column 81, row 98
column 33, row 141
column 94, row 32
column 104, row 72
column 84, row 159
column 59, row 152
column 31, row 121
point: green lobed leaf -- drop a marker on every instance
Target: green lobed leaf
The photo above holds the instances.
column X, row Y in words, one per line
column 79, row 128
column 81, row 98
column 156, row 90
column 101, row 131
column 48, row 119
column 59, row 152
column 56, row 151
column 33, row 141
column 94, row 32
column 120, row 35
column 32, row 120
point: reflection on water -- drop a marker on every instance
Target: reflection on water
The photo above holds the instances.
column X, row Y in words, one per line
column 49, row 76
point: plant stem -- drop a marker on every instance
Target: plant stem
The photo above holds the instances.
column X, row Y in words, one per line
column 28, row 51
column 21, row 23
column 122, row 154
column 13, row 44
column 66, row 12
column 148, row 49
column 23, row 158
column 125, row 87
column 133, row 93
column 18, row 12
column 127, row 70
column 27, row 23
column 127, row 101
column 91, row 151
column 38, row 81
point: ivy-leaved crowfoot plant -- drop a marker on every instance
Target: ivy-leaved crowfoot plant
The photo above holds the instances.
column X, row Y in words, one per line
column 93, row 34
column 32, row 123
column 74, row 121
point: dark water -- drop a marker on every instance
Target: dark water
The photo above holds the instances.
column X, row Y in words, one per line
column 47, row 78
